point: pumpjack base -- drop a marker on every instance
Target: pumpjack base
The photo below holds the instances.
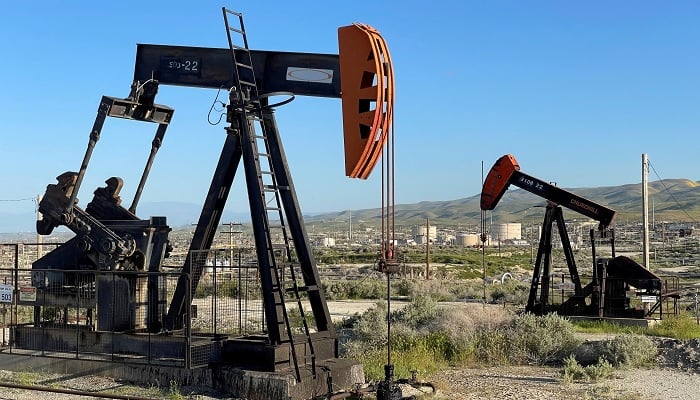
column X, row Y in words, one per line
column 256, row 385
column 250, row 385
column 255, row 353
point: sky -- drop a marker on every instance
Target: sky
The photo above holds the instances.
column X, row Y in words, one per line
column 577, row 91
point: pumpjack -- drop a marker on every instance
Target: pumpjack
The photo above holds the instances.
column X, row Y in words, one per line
column 110, row 237
column 605, row 295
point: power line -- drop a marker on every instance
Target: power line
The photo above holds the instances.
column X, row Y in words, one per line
column 670, row 194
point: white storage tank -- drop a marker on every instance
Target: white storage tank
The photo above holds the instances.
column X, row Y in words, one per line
column 510, row 231
column 423, row 230
column 467, row 239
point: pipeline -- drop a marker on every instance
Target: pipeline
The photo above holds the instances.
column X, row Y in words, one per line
column 73, row 392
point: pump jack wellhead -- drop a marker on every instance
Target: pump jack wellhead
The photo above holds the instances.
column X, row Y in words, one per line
column 109, row 237
column 606, row 300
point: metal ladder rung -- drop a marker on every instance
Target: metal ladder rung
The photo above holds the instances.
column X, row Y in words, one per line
column 262, row 154
column 280, row 226
column 251, row 84
column 232, row 29
column 236, row 13
column 311, row 288
column 250, row 67
column 270, row 188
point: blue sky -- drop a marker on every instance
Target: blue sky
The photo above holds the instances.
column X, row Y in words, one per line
column 577, row 91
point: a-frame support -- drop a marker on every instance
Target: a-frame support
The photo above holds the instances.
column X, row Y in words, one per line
column 542, row 272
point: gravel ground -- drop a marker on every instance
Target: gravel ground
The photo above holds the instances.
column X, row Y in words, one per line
column 677, row 378
column 503, row 383
column 543, row 383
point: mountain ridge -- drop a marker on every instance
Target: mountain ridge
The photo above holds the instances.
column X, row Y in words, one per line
column 670, row 199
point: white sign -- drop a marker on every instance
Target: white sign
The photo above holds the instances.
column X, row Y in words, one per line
column 566, row 285
column 27, row 293
column 316, row 75
column 5, row 294
column 649, row 299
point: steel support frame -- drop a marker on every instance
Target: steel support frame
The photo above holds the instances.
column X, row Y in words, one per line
column 542, row 268
column 235, row 150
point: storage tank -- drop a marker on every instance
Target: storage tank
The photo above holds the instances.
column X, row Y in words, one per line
column 510, row 231
column 467, row 239
column 421, row 230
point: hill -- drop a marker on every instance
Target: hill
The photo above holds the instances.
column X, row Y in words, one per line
column 675, row 200
column 670, row 200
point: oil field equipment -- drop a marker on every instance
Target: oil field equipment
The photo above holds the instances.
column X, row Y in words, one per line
column 111, row 267
column 612, row 278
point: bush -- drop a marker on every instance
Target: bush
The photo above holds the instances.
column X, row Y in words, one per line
column 491, row 347
column 419, row 313
column 541, row 339
column 573, row 371
column 629, row 351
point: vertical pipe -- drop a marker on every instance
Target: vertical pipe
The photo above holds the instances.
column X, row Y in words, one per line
column 603, row 278
column 645, row 210
column 39, row 238
column 427, row 249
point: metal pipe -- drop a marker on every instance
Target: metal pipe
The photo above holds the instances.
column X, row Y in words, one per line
column 73, row 392
column 155, row 145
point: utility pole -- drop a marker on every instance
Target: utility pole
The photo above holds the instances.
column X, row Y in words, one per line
column 427, row 249
column 230, row 233
column 645, row 210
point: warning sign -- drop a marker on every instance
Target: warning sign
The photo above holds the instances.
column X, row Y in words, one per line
column 27, row 293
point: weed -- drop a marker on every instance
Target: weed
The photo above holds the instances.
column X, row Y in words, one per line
column 174, row 392
column 572, row 371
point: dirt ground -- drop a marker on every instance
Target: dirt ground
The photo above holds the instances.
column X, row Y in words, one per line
column 676, row 377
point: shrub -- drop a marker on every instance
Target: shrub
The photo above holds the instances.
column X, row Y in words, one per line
column 573, row 371
column 490, row 347
column 629, row 351
column 370, row 328
column 419, row 313
column 541, row 340
column 602, row 370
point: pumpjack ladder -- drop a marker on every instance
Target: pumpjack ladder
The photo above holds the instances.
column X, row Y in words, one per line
column 269, row 183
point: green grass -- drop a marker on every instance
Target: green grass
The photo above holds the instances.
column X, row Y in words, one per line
column 682, row 326
column 419, row 358
column 597, row 326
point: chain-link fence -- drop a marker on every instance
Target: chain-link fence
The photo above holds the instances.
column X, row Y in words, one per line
column 119, row 315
